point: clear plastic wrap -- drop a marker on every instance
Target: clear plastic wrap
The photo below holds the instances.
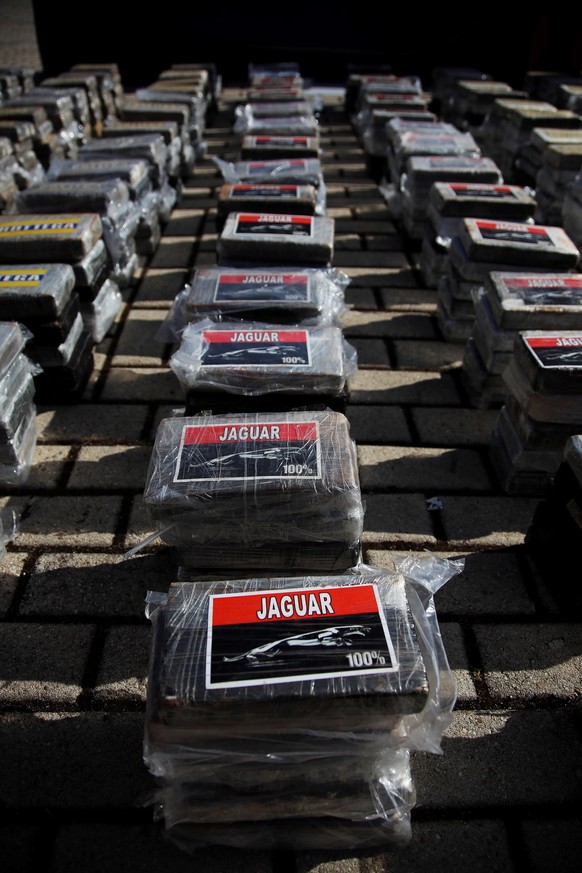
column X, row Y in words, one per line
column 279, row 295
column 13, row 338
column 282, row 486
column 16, row 470
column 99, row 315
column 259, row 358
column 303, row 695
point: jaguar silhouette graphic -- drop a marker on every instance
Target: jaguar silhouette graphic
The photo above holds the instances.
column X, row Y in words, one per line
column 331, row 637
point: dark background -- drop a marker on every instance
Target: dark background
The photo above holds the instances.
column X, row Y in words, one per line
column 321, row 36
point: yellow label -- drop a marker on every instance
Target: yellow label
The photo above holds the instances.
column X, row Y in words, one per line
column 24, row 279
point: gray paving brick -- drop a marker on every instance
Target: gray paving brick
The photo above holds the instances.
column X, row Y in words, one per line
column 321, row 862
column 389, row 324
column 397, row 517
column 105, row 467
column 91, row 423
column 42, row 665
column 523, row 661
column 138, row 345
column 454, row 644
column 403, row 387
column 370, row 260
column 124, row 667
column 455, row 427
column 68, row 761
column 141, row 384
column 347, row 243
column 139, row 526
column 158, row 288
column 91, row 584
column 11, row 565
column 380, row 224
column 503, row 759
column 173, row 252
column 416, row 469
column 370, row 352
column 426, row 355
column 487, row 522
column 552, row 845
column 56, row 520
column 144, row 849
column 378, row 424
column 47, row 468
column 448, row 845
column 416, row 299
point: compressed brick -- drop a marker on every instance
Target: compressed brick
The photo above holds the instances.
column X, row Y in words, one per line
column 102, row 767
column 124, row 667
column 91, row 423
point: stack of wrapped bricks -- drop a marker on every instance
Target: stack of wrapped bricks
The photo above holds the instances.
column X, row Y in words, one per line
column 288, row 681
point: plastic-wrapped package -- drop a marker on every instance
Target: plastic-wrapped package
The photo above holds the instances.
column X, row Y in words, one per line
column 252, row 120
column 303, row 695
column 134, row 172
column 35, row 292
column 149, row 147
column 18, row 431
column 267, row 197
column 262, row 359
column 298, row 171
column 276, row 238
column 55, row 237
column 99, row 315
column 279, row 295
column 281, row 489
column 91, row 271
column 12, row 341
column 263, row 147
column 109, row 197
